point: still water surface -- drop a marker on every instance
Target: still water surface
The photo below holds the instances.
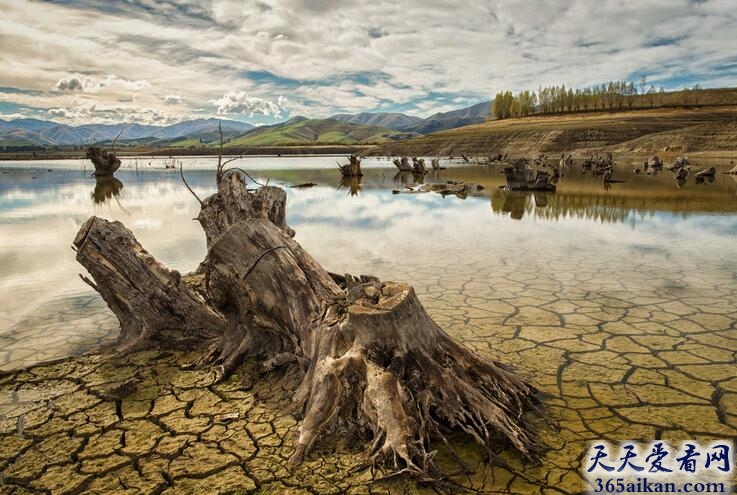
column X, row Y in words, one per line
column 347, row 225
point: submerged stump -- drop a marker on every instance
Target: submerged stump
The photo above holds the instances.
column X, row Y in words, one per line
column 105, row 162
column 353, row 168
column 369, row 359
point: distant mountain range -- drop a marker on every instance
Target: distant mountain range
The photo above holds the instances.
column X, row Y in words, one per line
column 475, row 114
column 29, row 132
column 357, row 128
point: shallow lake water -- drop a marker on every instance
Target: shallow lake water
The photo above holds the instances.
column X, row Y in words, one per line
column 619, row 303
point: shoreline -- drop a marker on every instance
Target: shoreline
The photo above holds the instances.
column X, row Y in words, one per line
column 309, row 151
column 167, row 152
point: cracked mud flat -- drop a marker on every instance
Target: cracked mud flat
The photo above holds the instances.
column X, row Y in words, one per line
column 616, row 359
column 629, row 332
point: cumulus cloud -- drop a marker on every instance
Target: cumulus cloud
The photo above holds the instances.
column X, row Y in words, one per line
column 242, row 102
column 85, row 113
column 91, row 85
column 172, row 99
column 69, row 84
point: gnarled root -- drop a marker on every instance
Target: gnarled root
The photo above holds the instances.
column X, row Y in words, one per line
column 400, row 375
column 370, row 358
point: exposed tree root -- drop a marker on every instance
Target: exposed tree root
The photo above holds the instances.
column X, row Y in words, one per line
column 369, row 356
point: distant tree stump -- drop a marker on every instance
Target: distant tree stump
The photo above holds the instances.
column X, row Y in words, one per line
column 105, row 162
column 353, row 168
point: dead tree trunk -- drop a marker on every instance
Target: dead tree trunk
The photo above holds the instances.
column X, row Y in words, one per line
column 369, row 355
column 105, row 162
column 402, row 164
column 418, row 166
column 353, row 168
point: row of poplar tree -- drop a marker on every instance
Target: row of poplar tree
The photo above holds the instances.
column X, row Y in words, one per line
column 611, row 96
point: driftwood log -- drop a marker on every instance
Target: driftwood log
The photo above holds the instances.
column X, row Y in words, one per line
column 105, row 162
column 369, row 358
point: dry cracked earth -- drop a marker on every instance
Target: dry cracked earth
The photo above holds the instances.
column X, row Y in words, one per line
column 628, row 348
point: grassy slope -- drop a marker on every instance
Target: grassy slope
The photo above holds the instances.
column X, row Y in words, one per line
column 315, row 131
column 678, row 129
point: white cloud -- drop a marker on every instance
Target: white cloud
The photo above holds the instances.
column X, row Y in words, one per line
column 241, row 102
column 88, row 113
column 13, row 116
column 172, row 99
column 91, row 85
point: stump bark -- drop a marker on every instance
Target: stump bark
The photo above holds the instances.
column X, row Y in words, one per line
column 369, row 357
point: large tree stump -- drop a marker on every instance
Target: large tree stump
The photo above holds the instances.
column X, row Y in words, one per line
column 369, row 357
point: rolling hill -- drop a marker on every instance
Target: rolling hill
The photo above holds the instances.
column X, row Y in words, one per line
column 300, row 131
column 343, row 129
column 475, row 114
column 390, row 120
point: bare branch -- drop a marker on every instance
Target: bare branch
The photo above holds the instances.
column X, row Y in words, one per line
column 219, row 172
column 112, row 146
column 181, row 172
column 230, row 160
column 246, row 174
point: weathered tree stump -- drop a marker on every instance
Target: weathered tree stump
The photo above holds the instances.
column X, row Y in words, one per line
column 369, row 357
column 105, row 162
column 402, row 164
column 353, row 168
column 653, row 162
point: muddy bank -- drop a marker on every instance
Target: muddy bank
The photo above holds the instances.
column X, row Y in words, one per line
column 158, row 152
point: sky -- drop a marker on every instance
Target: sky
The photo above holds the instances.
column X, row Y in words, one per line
column 159, row 62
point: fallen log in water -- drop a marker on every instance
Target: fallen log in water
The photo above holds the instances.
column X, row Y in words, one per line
column 708, row 172
column 368, row 356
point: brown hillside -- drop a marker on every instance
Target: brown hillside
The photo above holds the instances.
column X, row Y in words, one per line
column 677, row 129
